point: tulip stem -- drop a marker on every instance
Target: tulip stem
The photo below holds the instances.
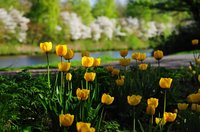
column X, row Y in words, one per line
column 165, row 102
column 165, row 94
column 82, row 111
column 159, row 63
column 98, row 129
column 151, row 120
column 134, row 119
column 48, row 72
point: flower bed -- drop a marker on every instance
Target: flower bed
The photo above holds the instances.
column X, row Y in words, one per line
column 94, row 98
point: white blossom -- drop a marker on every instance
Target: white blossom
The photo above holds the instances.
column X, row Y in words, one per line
column 14, row 23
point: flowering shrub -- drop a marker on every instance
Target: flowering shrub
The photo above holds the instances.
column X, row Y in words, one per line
column 13, row 25
column 103, row 26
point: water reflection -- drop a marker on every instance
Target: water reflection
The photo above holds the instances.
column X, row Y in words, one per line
column 17, row 61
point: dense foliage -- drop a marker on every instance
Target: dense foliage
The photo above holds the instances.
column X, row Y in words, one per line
column 22, row 110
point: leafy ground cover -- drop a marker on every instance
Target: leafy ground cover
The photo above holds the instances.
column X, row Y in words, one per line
column 134, row 97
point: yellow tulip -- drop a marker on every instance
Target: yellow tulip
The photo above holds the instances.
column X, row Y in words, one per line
column 115, row 72
column 152, row 101
column 175, row 110
column 194, row 72
column 190, row 68
column 109, row 68
column 197, row 61
column 64, row 66
column 89, row 76
column 199, row 77
column 150, row 110
column 158, row 54
column 107, row 99
column 199, row 90
column 198, row 108
column 142, row 56
column 87, row 61
column 68, row 76
column 123, row 53
column 61, row 50
column 136, row 56
column 82, row 94
column 66, row 120
column 46, row 46
column 160, row 121
column 165, row 82
column 85, row 53
column 193, row 98
column 124, row 61
column 170, row 117
column 119, row 82
column 143, row 67
column 69, row 55
column 134, row 99
column 97, row 62
column 194, row 106
column 195, row 42
column 84, row 127
column 182, row 106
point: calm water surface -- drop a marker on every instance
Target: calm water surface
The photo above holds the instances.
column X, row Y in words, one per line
column 18, row 61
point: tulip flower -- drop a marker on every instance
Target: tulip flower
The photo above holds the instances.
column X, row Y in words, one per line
column 64, row 66
column 89, row 76
column 142, row 56
column 197, row 61
column 97, row 62
column 194, row 72
column 119, row 82
column 160, row 121
column 143, row 67
column 170, row 117
column 150, row 110
column 158, row 54
column 87, row 61
column 199, row 90
column 61, row 50
column 69, row 55
column 82, row 94
column 195, row 107
column 84, row 127
column 182, row 106
column 195, row 42
column 199, row 77
column 124, row 61
column 68, row 76
column 123, row 53
column 115, row 72
column 66, row 120
column 109, row 68
column 107, row 99
column 46, row 46
column 193, row 98
column 85, row 53
column 153, row 101
column 136, row 56
column 165, row 83
column 134, row 100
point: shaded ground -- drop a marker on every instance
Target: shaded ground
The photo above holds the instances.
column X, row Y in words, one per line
column 171, row 62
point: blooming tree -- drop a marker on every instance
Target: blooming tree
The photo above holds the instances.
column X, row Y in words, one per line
column 13, row 25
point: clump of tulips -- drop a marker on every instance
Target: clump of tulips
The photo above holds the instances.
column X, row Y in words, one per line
column 134, row 91
column 74, row 109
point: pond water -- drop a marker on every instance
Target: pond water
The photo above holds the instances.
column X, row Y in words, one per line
column 24, row 60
